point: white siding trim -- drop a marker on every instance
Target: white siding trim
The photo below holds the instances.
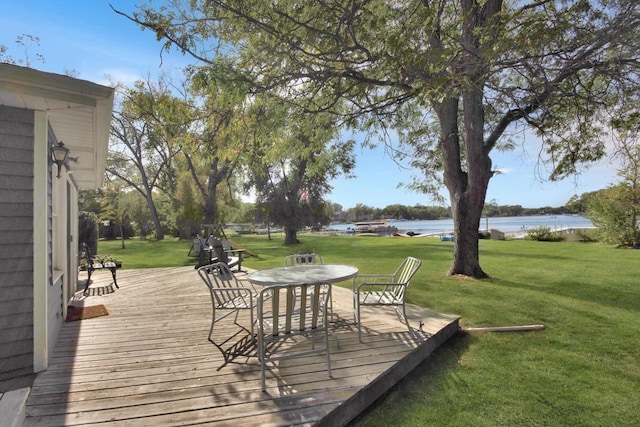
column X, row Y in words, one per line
column 72, row 274
column 40, row 233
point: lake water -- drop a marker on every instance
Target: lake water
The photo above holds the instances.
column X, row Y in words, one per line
column 508, row 225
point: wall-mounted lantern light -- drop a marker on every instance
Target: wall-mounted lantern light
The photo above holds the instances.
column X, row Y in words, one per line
column 59, row 154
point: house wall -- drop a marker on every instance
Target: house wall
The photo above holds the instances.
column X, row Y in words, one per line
column 55, row 313
column 16, row 242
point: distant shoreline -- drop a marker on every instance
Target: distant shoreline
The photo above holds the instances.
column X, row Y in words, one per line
column 511, row 226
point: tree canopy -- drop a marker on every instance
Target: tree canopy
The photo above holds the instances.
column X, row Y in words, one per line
column 455, row 79
column 143, row 144
column 293, row 158
column 616, row 210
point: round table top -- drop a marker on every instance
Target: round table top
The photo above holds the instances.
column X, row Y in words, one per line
column 303, row 273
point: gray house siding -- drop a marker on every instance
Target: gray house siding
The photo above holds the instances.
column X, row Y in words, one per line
column 16, row 242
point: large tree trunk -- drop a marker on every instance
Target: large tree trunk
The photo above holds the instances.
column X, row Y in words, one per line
column 154, row 215
column 210, row 205
column 208, row 193
column 291, row 236
column 121, row 235
column 466, row 222
column 210, row 209
column 466, row 207
column 467, row 188
column 467, row 185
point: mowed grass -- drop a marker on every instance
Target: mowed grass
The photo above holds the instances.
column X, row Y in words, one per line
column 582, row 369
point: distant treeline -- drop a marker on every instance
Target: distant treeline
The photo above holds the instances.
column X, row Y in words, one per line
column 363, row 212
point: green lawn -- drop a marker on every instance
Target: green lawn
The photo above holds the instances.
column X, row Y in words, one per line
column 582, row 369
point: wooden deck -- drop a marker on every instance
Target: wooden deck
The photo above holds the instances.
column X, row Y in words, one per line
column 149, row 363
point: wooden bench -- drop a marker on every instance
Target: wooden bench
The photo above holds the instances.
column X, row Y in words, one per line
column 234, row 256
column 215, row 250
column 96, row 262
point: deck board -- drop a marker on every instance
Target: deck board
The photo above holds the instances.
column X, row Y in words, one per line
column 149, row 363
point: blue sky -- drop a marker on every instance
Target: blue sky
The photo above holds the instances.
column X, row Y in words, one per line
column 86, row 36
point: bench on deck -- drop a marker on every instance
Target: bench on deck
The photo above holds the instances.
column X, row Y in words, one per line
column 97, row 262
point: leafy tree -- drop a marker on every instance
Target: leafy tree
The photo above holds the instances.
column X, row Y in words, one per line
column 334, row 211
column 396, row 211
column 89, row 201
column 144, row 143
column 293, row 159
column 218, row 140
column 243, row 213
column 616, row 210
column 88, row 230
column 187, row 203
column 456, row 79
column 612, row 211
column 137, row 212
column 362, row 212
column 576, row 204
column 491, row 209
column 115, row 209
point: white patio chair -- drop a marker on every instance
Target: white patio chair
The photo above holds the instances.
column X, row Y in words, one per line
column 295, row 259
column 228, row 297
column 308, row 258
column 384, row 290
column 285, row 311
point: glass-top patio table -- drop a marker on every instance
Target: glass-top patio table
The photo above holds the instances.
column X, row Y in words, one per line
column 310, row 273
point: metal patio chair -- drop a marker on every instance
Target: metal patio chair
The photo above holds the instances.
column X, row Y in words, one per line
column 228, row 297
column 384, row 290
column 309, row 258
column 287, row 311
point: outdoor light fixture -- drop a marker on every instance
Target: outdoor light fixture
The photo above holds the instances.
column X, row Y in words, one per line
column 59, row 154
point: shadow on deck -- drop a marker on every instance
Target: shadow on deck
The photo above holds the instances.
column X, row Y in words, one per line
column 149, row 363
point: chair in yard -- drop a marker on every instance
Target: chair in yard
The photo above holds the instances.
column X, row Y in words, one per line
column 228, row 297
column 97, row 262
column 287, row 311
column 204, row 252
column 235, row 255
column 215, row 250
column 309, row 258
column 221, row 250
column 384, row 290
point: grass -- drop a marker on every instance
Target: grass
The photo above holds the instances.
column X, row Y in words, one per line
column 582, row 369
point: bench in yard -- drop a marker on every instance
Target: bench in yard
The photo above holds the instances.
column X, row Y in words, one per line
column 215, row 250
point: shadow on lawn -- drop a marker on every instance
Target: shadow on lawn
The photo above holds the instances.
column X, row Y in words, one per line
column 576, row 288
